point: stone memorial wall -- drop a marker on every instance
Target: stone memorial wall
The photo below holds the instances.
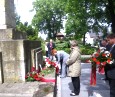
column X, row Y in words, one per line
column 15, row 49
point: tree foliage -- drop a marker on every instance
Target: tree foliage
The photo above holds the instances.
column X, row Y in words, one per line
column 32, row 34
column 49, row 16
column 95, row 15
column 82, row 16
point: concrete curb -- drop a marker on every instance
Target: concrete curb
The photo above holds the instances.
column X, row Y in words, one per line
column 58, row 86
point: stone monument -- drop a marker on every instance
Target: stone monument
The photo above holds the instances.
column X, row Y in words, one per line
column 15, row 49
column 7, row 14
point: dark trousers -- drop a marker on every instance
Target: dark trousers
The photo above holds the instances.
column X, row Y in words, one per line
column 112, row 87
column 76, row 84
column 46, row 53
column 61, row 62
column 106, row 69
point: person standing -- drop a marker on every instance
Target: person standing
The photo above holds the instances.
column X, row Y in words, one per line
column 111, row 70
column 104, row 43
column 50, row 46
column 74, row 69
column 46, row 49
column 62, row 56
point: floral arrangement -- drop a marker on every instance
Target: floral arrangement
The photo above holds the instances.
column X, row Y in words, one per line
column 50, row 63
column 99, row 59
column 33, row 75
column 38, row 75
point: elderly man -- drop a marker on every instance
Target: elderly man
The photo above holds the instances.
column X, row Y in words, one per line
column 50, row 47
column 104, row 43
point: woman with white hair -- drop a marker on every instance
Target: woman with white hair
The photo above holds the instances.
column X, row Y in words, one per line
column 74, row 67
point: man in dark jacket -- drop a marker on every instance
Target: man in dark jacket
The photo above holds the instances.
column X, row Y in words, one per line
column 104, row 43
column 111, row 70
column 50, row 46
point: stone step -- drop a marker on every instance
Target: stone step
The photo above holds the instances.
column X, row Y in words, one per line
column 27, row 89
column 15, row 95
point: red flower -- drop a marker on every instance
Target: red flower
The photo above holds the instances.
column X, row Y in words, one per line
column 98, row 63
column 44, row 68
column 88, row 61
column 31, row 75
column 96, row 55
column 33, row 69
column 98, row 51
column 38, row 79
column 108, row 61
column 103, row 63
column 49, row 62
column 103, row 55
column 94, row 59
column 35, row 76
column 26, row 76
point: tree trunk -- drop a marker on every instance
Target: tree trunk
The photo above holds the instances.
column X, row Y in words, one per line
column 84, row 39
column 112, row 14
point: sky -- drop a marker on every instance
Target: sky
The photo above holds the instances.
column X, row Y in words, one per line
column 23, row 8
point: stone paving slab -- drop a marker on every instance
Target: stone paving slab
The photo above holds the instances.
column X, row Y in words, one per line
column 27, row 89
column 100, row 90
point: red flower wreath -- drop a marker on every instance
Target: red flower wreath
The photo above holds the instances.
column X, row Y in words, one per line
column 99, row 59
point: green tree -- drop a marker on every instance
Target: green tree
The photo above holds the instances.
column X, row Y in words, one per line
column 76, row 20
column 49, row 16
column 32, row 33
column 95, row 15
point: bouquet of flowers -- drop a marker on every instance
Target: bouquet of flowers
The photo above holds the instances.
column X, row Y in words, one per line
column 34, row 75
column 38, row 75
column 99, row 59
column 50, row 63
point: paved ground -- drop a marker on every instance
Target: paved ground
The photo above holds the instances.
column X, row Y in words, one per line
column 27, row 89
column 100, row 90
column 64, row 85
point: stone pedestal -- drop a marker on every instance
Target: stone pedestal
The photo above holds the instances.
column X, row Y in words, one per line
column 15, row 50
column 16, row 59
column 15, row 55
column 11, row 33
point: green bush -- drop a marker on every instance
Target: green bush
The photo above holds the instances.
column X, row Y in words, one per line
column 63, row 45
column 85, row 59
column 87, row 50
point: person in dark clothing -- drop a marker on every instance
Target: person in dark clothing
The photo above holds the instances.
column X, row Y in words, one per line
column 107, row 46
column 50, row 46
column 46, row 49
column 111, row 69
